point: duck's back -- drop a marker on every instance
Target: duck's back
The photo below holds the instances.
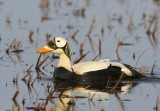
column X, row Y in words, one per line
column 90, row 66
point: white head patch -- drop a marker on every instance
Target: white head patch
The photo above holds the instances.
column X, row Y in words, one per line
column 60, row 41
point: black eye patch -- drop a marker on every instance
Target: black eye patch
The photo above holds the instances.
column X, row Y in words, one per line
column 58, row 40
column 52, row 45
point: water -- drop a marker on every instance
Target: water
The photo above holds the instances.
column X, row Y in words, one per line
column 119, row 19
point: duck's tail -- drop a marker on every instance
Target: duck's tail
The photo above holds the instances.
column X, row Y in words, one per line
column 135, row 73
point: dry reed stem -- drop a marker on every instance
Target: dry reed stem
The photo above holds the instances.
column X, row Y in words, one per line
column 71, row 102
column 46, row 65
column 23, row 101
column 15, row 79
column 119, row 81
column 155, row 29
column 44, row 3
column 91, row 43
column 38, row 61
column 120, row 43
column 94, row 58
column 143, row 69
column 134, row 56
column 30, row 36
column 102, row 29
column 81, row 47
column 120, row 101
column 151, row 22
column 47, row 37
column 140, row 57
column 92, row 96
column 15, row 95
column 100, row 48
column 130, row 25
column 157, row 102
column 74, row 34
column 8, row 20
column 108, row 84
column 29, row 69
column 7, row 50
column 91, row 28
column 78, row 60
column 17, row 105
column 154, row 65
column 151, row 33
column 40, row 64
column 28, row 72
column 118, row 57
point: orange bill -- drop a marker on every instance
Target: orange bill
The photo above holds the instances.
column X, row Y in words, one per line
column 41, row 50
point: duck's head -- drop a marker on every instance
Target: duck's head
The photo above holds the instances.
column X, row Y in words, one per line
column 57, row 45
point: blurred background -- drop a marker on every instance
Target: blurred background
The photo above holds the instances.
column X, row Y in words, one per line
column 122, row 30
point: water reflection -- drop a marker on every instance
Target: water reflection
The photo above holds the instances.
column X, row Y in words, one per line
column 68, row 94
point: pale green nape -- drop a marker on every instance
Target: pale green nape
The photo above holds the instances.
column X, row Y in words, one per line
column 67, row 51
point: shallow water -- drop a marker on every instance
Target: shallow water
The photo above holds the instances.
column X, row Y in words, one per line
column 111, row 21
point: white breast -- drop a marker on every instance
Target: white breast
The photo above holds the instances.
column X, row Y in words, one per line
column 88, row 66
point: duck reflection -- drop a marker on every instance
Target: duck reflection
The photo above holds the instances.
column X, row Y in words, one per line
column 69, row 93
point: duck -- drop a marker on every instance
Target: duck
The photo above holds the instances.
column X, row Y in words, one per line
column 88, row 71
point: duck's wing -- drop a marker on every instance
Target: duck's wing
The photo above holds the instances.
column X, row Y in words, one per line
column 123, row 67
column 88, row 66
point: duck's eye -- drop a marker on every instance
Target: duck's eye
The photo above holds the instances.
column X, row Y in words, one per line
column 58, row 40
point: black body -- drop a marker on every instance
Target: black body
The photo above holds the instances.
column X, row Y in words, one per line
column 112, row 73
